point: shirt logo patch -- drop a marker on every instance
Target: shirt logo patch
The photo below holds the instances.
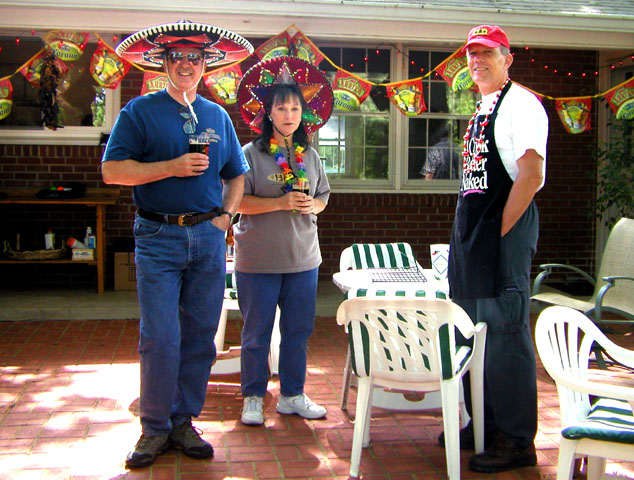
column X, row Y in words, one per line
column 212, row 135
column 276, row 177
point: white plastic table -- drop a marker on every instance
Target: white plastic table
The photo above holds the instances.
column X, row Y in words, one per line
column 362, row 278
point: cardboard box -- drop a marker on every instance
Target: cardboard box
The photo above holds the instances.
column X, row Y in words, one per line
column 84, row 254
column 124, row 271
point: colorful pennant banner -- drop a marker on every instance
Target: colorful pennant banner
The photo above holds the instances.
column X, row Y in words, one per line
column 574, row 113
column 407, row 96
column 108, row 68
column 6, row 98
column 350, row 91
column 621, row 100
column 223, row 84
column 153, row 82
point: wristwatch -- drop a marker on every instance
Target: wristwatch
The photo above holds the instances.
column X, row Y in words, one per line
column 224, row 212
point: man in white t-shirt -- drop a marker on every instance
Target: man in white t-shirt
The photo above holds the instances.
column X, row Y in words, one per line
column 493, row 240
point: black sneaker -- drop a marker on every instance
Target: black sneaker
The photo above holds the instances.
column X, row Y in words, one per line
column 503, row 454
column 187, row 438
column 146, row 450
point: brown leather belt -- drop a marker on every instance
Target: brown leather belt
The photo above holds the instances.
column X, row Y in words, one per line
column 185, row 220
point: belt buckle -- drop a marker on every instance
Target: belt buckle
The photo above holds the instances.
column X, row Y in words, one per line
column 181, row 220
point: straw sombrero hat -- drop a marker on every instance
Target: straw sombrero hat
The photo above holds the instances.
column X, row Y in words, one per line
column 147, row 47
column 258, row 83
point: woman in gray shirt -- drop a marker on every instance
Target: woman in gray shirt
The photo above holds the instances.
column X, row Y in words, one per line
column 277, row 249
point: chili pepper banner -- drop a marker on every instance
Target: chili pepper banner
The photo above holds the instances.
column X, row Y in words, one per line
column 50, row 78
column 108, row 68
column 153, row 82
column 31, row 70
column 6, row 97
column 303, row 48
column 574, row 113
column 276, row 46
column 67, row 46
column 621, row 100
column 407, row 97
column 455, row 72
column 349, row 91
column 223, row 84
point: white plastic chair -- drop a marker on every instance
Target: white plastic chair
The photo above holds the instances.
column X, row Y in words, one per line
column 614, row 286
column 409, row 344
column 371, row 255
column 231, row 364
column 604, row 428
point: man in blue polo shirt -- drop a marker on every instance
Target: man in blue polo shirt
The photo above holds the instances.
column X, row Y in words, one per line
column 185, row 205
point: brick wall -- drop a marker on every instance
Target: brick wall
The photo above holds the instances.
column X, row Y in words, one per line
column 567, row 230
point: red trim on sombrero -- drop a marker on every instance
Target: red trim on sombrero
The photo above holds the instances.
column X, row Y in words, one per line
column 147, row 47
column 198, row 39
column 258, row 82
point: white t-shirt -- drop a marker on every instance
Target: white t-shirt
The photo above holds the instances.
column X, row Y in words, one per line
column 521, row 124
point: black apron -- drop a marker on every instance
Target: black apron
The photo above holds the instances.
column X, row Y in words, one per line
column 475, row 237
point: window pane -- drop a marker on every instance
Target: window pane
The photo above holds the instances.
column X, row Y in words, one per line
column 352, row 147
column 442, row 159
column 377, row 130
column 80, row 99
column 418, row 64
column 417, row 132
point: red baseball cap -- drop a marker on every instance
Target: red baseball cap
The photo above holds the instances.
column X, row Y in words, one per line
column 488, row 35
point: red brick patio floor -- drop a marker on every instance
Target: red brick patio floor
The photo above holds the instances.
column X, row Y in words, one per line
column 68, row 403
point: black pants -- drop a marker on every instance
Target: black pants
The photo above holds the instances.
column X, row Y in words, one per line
column 510, row 378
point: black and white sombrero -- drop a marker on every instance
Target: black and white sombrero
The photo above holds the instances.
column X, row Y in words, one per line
column 147, row 47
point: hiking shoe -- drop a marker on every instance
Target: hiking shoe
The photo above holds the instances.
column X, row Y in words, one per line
column 503, row 454
column 146, row 450
column 300, row 405
column 467, row 438
column 252, row 411
column 187, row 438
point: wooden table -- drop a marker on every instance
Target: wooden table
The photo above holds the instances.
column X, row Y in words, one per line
column 93, row 197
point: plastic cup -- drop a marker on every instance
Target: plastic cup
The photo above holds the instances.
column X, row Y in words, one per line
column 199, row 144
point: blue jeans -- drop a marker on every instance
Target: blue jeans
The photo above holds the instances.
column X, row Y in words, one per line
column 180, row 283
column 258, row 296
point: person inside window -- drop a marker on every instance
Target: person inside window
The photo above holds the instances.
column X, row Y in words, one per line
column 443, row 160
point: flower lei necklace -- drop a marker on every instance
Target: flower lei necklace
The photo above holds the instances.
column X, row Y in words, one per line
column 479, row 141
column 287, row 171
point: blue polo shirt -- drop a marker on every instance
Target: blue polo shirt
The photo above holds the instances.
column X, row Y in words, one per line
column 150, row 129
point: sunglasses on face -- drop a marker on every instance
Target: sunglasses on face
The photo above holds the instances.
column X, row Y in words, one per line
column 193, row 58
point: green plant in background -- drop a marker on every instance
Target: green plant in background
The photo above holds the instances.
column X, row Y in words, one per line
column 98, row 107
column 615, row 174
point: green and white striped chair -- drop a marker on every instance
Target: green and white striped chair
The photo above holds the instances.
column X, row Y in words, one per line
column 603, row 428
column 409, row 344
column 373, row 255
column 377, row 255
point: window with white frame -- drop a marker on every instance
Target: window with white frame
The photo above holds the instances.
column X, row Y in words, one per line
column 435, row 137
column 86, row 110
column 359, row 148
column 354, row 146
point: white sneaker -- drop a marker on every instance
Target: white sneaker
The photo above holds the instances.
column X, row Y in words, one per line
column 300, row 405
column 252, row 411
